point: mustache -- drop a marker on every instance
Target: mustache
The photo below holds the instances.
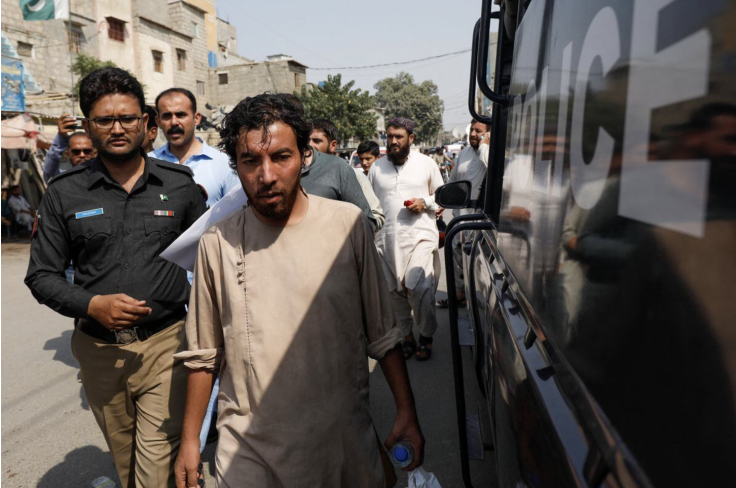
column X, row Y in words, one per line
column 175, row 130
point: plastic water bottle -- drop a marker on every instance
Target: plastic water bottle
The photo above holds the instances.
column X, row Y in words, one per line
column 401, row 454
column 103, row 482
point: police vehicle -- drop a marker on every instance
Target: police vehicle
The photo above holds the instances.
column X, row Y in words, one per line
column 600, row 261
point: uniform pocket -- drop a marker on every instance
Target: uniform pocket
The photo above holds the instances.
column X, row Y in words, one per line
column 92, row 239
column 160, row 233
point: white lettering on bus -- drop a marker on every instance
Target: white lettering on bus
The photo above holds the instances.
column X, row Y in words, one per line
column 670, row 194
column 601, row 41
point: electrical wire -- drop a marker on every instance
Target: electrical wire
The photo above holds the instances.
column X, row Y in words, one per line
column 398, row 62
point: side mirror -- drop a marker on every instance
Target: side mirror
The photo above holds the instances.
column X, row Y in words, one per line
column 454, row 195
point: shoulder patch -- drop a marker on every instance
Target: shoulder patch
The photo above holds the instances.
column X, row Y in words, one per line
column 76, row 169
column 173, row 166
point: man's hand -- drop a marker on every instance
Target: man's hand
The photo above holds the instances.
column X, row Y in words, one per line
column 117, row 312
column 187, row 462
column 438, row 213
column 67, row 124
column 485, row 138
column 406, row 428
column 417, row 207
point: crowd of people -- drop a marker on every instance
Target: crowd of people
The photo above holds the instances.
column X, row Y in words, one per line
column 327, row 265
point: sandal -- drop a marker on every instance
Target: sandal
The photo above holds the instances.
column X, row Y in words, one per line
column 424, row 351
column 408, row 348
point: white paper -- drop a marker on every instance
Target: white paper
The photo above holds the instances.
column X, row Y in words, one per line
column 183, row 251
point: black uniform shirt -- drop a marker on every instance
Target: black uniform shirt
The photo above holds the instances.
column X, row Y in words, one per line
column 114, row 239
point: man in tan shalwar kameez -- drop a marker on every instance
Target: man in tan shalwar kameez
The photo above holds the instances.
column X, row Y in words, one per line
column 288, row 299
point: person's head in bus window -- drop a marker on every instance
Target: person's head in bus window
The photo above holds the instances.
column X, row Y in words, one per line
column 368, row 153
column 710, row 133
column 478, row 133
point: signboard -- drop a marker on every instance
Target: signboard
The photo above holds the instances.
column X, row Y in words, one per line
column 13, row 92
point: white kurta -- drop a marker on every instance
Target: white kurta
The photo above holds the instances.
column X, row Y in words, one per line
column 408, row 242
column 404, row 233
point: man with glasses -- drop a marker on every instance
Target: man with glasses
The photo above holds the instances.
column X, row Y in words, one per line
column 114, row 216
column 75, row 145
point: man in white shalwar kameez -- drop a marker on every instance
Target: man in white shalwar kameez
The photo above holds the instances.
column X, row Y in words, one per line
column 405, row 182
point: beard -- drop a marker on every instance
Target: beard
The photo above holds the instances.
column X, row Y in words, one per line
column 279, row 210
column 399, row 157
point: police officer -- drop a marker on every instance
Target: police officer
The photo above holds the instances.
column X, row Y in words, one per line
column 112, row 217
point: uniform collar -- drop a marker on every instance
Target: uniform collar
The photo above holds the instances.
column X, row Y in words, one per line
column 97, row 171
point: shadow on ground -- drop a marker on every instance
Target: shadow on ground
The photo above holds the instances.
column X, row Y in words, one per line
column 79, row 468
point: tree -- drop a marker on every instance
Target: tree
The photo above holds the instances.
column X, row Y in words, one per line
column 345, row 107
column 84, row 65
column 400, row 96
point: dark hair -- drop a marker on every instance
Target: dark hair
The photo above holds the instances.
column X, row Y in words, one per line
column 151, row 117
column 259, row 113
column 473, row 121
column 369, row 146
column 108, row 81
column 327, row 127
column 183, row 91
column 402, row 123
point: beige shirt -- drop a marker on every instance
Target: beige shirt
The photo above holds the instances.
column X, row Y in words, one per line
column 287, row 315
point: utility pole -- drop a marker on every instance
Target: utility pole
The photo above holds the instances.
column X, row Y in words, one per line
column 71, row 59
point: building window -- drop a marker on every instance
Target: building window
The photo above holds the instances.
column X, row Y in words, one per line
column 25, row 50
column 158, row 61
column 223, row 78
column 76, row 38
column 116, row 29
column 181, row 59
column 200, row 87
column 296, row 80
column 195, row 30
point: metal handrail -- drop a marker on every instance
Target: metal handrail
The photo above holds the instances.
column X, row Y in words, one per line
column 473, row 68
column 453, row 228
column 485, row 26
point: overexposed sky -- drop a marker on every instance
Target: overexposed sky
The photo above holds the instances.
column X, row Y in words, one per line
column 339, row 33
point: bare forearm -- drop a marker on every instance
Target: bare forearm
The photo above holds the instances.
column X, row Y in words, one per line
column 394, row 369
column 199, row 389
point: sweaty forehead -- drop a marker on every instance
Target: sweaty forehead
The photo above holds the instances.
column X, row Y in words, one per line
column 275, row 138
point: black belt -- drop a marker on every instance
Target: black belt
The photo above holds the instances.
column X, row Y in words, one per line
column 125, row 336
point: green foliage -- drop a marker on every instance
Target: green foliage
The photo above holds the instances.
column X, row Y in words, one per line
column 85, row 64
column 345, row 107
column 400, row 96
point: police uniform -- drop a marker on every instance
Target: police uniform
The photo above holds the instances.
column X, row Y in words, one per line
column 133, row 385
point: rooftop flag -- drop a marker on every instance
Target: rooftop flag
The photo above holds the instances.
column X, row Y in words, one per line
column 44, row 9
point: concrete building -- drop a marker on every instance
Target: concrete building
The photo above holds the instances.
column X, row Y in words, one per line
column 279, row 74
column 163, row 42
column 227, row 45
column 47, row 48
column 171, row 47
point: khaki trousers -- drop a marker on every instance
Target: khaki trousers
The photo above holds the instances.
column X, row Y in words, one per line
column 137, row 393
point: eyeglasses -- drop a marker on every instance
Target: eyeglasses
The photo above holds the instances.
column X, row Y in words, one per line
column 77, row 152
column 126, row 122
